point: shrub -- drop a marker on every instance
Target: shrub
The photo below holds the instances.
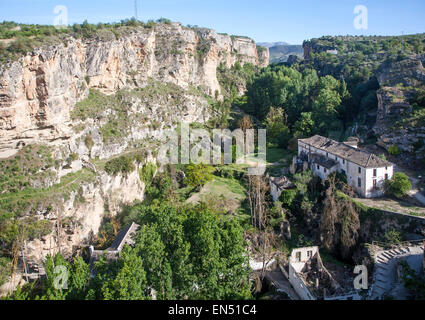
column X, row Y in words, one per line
column 147, row 173
column 392, row 236
column 88, row 140
column 21, row 45
column 123, row 164
column 5, row 269
column 198, row 174
column 394, row 150
column 383, row 157
column 399, row 185
column 287, row 197
column 72, row 157
column 163, row 20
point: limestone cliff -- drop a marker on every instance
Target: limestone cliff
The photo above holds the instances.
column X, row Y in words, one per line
column 76, row 223
column 397, row 122
column 38, row 92
column 145, row 81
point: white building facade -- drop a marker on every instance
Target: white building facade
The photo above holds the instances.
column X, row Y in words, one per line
column 366, row 172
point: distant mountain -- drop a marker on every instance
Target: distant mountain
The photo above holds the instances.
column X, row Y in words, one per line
column 272, row 44
column 280, row 51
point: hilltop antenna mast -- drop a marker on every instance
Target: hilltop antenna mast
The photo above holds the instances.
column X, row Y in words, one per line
column 135, row 9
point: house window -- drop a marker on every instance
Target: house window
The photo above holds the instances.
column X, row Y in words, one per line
column 375, row 172
column 386, row 168
column 318, row 167
column 360, row 170
column 336, row 158
column 327, row 154
column 298, row 256
column 374, row 183
column 359, row 182
column 343, row 161
column 386, row 176
column 309, row 253
column 325, row 170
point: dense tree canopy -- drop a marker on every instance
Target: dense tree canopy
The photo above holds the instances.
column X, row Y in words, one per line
column 310, row 104
column 179, row 253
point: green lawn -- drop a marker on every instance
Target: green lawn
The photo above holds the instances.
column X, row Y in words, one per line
column 275, row 155
column 227, row 194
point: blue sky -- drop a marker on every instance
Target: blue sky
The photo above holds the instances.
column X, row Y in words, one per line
column 264, row 20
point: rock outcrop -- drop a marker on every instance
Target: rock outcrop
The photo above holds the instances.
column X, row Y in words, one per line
column 162, row 74
column 77, row 223
column 399, row 82
column 38, row 92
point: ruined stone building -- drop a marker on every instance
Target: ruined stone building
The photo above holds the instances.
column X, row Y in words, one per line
column 278, row 184
column 124, row 236
column 311, row 280
column 365, row 171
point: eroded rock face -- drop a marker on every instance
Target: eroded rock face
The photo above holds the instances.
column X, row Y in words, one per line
column 78, row 222
column 398, row 81
column 408, row 72
column 38, row 92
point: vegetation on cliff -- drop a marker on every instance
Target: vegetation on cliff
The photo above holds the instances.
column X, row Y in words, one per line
column 23, row 38
column 358, row 58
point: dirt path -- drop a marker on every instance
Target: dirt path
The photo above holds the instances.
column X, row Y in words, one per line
column 388, row 204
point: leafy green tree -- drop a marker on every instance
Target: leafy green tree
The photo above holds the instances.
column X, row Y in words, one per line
column 55, row 286
column 79, row 280
column 287, row 197
column 128, row 280
column 399, row 185
column 158, row 269
column 326, row 105
column 198, row 175
column 160, row 188
column 164, row 222
column 305, row 126
column 275, row 123
column 217, row 255
column 340, row 223
column 189, row 252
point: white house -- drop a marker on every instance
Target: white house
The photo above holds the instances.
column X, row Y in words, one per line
column 365, row 171
column 332, row 51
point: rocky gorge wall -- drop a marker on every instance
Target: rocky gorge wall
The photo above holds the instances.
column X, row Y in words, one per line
column 76, row 222
column 398, row 84
column 38, row 92
column 148, row 79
